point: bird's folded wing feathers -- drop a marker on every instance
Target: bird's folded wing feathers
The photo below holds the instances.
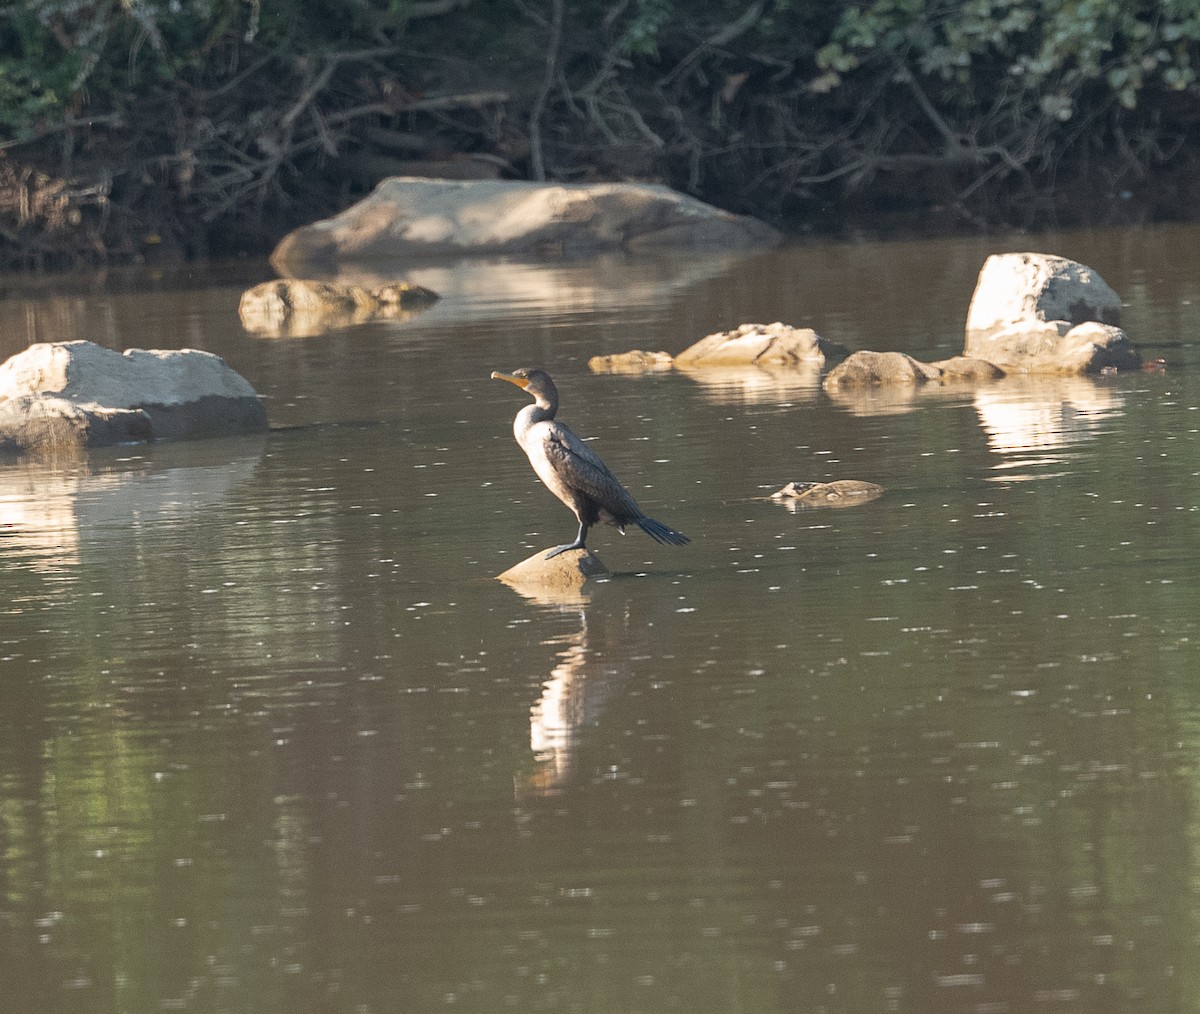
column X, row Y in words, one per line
column 586, row 471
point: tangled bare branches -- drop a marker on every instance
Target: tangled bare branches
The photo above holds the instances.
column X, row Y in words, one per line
column 222, row 134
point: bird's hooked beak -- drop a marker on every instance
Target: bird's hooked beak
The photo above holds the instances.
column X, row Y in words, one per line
column 521, row 382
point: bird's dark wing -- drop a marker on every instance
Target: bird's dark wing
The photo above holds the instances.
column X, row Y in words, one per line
column 579, row 467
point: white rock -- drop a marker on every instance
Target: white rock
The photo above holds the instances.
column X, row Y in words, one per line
column 1015, row 288
column 1026, row 304
column 57, row 394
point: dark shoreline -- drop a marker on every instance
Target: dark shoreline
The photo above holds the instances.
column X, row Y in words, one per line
column 1166, row 199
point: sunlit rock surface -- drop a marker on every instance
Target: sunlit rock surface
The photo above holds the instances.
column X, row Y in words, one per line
column 563, row 575
column 414, row 216
column 838, row 493
column 302, row 308
column 775, row 344
column 634, row 361
column 1027, row 311
column 66, row 396
column 778, row 347
column 1057, row 347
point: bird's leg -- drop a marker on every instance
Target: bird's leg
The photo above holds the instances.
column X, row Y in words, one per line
column 577, row 544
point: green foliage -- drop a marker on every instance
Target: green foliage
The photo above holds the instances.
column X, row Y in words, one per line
column 102, row 52
column 58, row 56
column 643, row 28
column 1055, row 48
column 759, row 104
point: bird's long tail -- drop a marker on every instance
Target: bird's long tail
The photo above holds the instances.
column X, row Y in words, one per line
column 662, row 533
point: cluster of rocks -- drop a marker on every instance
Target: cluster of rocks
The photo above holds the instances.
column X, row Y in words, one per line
column 772, row 345
column 64, row 396
column 1031, row 313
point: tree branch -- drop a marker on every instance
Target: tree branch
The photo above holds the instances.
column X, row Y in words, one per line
column 537, row 165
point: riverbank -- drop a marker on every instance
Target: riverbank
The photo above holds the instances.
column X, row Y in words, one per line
column 161, row 132
column 54, row 223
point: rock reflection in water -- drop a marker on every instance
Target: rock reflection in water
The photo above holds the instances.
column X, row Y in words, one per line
column 479, row 287
column 1030, row 421
column 747, row 385
column 44, row 510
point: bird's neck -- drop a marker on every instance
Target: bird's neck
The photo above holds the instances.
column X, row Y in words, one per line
column 532, row 414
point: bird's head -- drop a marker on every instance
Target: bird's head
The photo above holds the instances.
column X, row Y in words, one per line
column 534, row 382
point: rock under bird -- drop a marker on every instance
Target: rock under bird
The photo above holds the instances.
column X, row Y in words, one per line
column 571, row 470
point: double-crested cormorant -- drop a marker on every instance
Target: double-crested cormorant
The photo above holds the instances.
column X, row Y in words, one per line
column 571, row 470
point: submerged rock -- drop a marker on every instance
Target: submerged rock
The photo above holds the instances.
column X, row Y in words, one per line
column 301, row 308
column 838, row 493
column 72, row 395
column 879, row 369
column 775, row 344
column 1027, row 310
column 405, row 215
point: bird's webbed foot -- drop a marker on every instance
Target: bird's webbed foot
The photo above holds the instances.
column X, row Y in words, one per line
column 562, row 549
column 580, row 539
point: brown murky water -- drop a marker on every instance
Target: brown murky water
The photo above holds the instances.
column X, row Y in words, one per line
column 272, row 739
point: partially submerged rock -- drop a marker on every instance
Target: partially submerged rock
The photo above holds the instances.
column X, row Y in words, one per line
column 407, row 216
column 775, row 344
column 967, row 370
column 879, row 369
column 404, row 296
column 871, row 369
column 838, row 493
column 778, row 347
column 301, row 308
column 562, row 575
column 1026, row 313
column 634, row 361
column 72, row 395
column 1057, row 347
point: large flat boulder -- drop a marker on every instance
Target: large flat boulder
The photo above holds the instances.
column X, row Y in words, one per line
column 1028, row 307
column 74, row 395
column 406, row 216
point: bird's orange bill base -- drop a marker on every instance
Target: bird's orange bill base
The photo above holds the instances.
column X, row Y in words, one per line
column 521, row 382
